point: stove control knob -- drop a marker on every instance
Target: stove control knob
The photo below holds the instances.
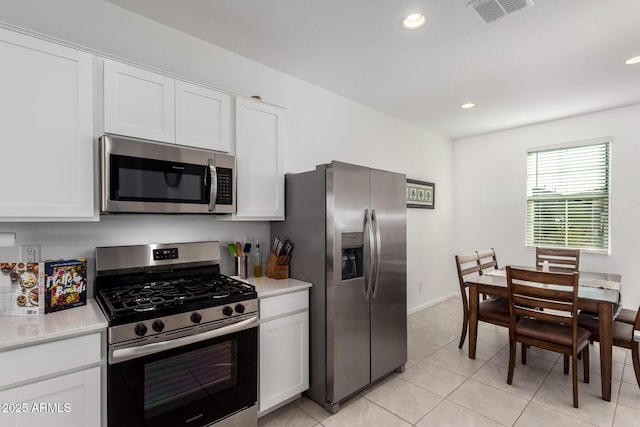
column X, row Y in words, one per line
column 158, row 325
column 196, row 317
column 227, row 311
column 140, row 329
column 240, row 308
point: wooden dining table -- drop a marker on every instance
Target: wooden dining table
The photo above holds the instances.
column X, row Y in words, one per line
column 590, row 298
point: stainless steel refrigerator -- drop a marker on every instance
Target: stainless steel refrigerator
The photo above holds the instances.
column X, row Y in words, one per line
column 348, row 225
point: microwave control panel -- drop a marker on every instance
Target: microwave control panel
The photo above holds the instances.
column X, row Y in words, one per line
column 225, row 186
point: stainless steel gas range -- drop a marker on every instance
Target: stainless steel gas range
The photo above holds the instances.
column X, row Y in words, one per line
column 182, row 340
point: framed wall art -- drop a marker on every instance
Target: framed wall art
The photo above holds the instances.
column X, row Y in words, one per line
column 420, row 194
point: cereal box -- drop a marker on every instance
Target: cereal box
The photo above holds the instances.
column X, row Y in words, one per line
column 65, row 284
column 21, row 288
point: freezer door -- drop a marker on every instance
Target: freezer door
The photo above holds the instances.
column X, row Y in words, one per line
column 389, row 292
column 347, row 309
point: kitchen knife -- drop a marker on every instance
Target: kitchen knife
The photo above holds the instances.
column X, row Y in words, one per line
column 288, row 247
column 274, row 247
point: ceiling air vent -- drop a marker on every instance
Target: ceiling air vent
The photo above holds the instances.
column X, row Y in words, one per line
column 492, row 10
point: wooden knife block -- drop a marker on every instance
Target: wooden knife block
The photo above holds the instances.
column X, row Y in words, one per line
column 278, row 266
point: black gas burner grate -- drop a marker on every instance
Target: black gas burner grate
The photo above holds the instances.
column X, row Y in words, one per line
column 168, row 294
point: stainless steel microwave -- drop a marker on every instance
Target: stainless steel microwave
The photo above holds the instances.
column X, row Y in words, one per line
column 140, row 176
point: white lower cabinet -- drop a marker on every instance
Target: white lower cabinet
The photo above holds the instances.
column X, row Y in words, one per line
column 57, row 383
column 284, row 348
column 71, row 400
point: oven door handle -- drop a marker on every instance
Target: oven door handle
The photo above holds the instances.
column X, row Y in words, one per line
column 124, row 354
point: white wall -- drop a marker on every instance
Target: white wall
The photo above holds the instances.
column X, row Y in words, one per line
column 320, row 127
column 490, row 182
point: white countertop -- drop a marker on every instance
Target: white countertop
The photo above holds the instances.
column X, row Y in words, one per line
column 268, row 287
column 20, row 331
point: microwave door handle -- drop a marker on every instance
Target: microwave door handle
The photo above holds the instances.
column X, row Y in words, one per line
column 213, row 190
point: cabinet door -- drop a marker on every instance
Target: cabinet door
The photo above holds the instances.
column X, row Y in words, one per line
column 138, row 103
column 203, row 117
column 71, row 400
column 47, row 130
column 284, row 359
column 260, row 170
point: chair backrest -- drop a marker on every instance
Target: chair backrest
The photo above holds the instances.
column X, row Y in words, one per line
column 487, row 259
column 468, row 267
column 555, row 293
column 560, row 260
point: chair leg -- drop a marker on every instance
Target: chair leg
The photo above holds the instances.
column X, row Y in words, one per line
column 512, row 359
column 585, row 363
column 465, row 325
column 523, row 351
column 566, row 364
column 574, row 374
column 636, row 360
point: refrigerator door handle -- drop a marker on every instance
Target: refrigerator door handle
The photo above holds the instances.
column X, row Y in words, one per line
column 369, row 227
column 376, row 225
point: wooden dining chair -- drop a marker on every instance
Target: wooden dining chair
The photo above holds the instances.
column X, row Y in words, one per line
column 622, row 333
column 495, row 312
column 560, row 260
column 487, row 260
column 556, row 327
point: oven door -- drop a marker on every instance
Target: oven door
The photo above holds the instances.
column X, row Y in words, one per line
column 190, row 385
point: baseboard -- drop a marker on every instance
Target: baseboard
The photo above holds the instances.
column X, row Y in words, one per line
column 433, row 302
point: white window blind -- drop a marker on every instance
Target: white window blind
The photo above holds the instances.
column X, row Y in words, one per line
column 568, row 197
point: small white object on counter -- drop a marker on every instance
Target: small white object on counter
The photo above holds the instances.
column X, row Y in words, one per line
column 268, row 287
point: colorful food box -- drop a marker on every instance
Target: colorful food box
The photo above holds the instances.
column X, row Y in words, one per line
column 21, row 287
column 65, row 284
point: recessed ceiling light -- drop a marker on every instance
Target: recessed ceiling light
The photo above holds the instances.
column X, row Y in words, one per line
column 634, row 60
column 413, row 21
column 467, row 105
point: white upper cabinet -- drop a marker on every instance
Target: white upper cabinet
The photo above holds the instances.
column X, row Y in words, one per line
column 148, row 105
column 203, row 117
column 259, row 160
column 138, row 103
column 47, row 130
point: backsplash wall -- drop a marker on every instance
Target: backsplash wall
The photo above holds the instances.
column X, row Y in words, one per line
column 79, row 239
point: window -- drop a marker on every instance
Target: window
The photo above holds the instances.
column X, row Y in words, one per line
column 568, row 196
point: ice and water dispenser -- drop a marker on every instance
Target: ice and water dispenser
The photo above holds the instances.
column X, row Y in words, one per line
column 352, row 255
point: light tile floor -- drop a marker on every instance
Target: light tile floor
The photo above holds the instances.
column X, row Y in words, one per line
column 441, row 386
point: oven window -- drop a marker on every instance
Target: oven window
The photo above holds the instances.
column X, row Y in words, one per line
column 204, row 381
column 169, row 382
column 148, row 180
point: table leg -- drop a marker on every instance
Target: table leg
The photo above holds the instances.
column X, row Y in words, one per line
column 605, row 325
column 473, row 319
